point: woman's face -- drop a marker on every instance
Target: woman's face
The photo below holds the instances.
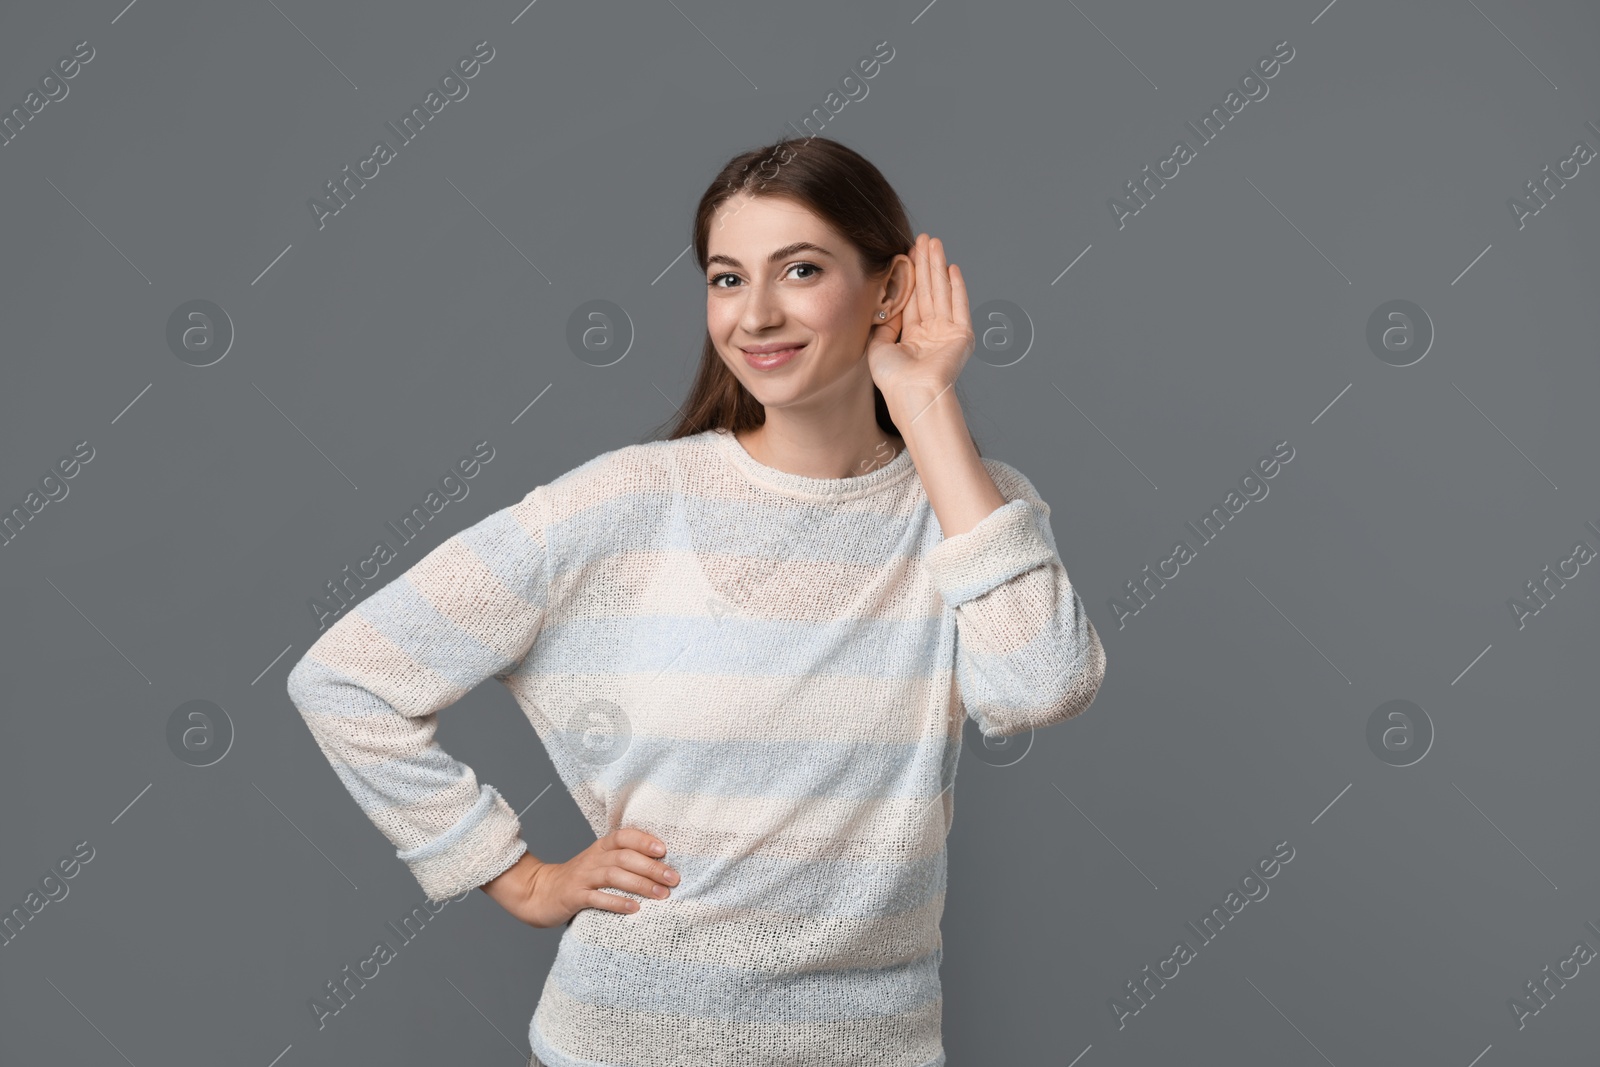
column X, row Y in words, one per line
column 778, row 276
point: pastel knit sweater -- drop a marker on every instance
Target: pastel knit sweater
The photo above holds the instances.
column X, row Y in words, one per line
column 767, row 671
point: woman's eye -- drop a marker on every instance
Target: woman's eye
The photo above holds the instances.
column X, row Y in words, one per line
column 812, row 267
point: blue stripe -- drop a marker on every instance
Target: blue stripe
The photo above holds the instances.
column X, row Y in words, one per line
column 510, row 553
column 465, row 825
column 792, row 530
column 1033, row 676
column 401, row 613
column 330, row 691
column 795, row 769
column 703, row 644
column 780, row 767
column 398, row 784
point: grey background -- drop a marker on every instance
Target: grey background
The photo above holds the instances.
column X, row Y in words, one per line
column 1227, row 315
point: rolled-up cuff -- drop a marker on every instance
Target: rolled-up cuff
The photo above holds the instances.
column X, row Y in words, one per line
column 483, row 844
column 1008, row 541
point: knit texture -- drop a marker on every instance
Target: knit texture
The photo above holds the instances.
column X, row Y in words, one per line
column 767, row 671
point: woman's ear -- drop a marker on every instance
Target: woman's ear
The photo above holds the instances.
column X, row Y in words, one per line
column 897, row 287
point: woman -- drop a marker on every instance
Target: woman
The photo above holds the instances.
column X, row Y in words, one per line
column 748, row 648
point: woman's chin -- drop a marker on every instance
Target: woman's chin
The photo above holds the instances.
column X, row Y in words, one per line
column 774, row 392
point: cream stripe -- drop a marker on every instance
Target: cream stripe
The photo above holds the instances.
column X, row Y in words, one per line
column 355, row 647
column 820, row 828
column 657, row 1039
column 454, row 580
column 647, row 582
column 690, row 931
column 999, row 626
column 362, row 740
column 646, row 469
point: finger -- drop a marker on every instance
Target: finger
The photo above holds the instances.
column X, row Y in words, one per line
column 645, row 865
column 924, row 283
column 909, row 316
column 599, row 898
column 960, row 308
column 939, row 280
column 618, row 877
column 635, row 838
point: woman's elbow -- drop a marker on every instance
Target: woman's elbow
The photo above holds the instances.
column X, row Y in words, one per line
column 1084, row 683
column 307, row 683
column 1077, row 686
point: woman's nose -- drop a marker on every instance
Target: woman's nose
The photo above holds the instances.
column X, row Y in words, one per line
column 761, row 310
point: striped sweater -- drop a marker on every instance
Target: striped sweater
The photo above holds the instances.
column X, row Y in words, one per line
column 769, row 672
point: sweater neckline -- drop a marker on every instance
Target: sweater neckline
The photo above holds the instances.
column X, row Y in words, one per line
column 804, row 486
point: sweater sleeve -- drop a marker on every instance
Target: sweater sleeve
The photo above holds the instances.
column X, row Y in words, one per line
column 1026, row 653
column 371, row 686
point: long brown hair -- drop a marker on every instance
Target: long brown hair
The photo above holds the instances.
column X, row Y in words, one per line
column 843, row 188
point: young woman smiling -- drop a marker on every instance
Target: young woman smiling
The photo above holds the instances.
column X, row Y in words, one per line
column 748, row 649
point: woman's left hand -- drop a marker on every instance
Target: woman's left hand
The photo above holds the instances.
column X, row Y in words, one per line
column 919, row 353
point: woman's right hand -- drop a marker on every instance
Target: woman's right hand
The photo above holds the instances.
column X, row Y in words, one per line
column 548, row 894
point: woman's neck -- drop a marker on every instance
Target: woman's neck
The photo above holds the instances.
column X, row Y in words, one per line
column 820, row 451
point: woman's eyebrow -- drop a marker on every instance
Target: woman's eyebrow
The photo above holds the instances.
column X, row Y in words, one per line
column 782, row 253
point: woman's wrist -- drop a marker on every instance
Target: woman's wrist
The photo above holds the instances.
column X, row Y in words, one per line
column 516, row 881
column 909, row 402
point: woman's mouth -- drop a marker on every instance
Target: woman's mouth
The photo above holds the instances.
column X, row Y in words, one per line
column 766, row 357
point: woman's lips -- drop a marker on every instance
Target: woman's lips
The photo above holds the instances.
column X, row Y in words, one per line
column 769, row 360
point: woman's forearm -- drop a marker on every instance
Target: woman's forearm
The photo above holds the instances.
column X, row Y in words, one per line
column 935, row 431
